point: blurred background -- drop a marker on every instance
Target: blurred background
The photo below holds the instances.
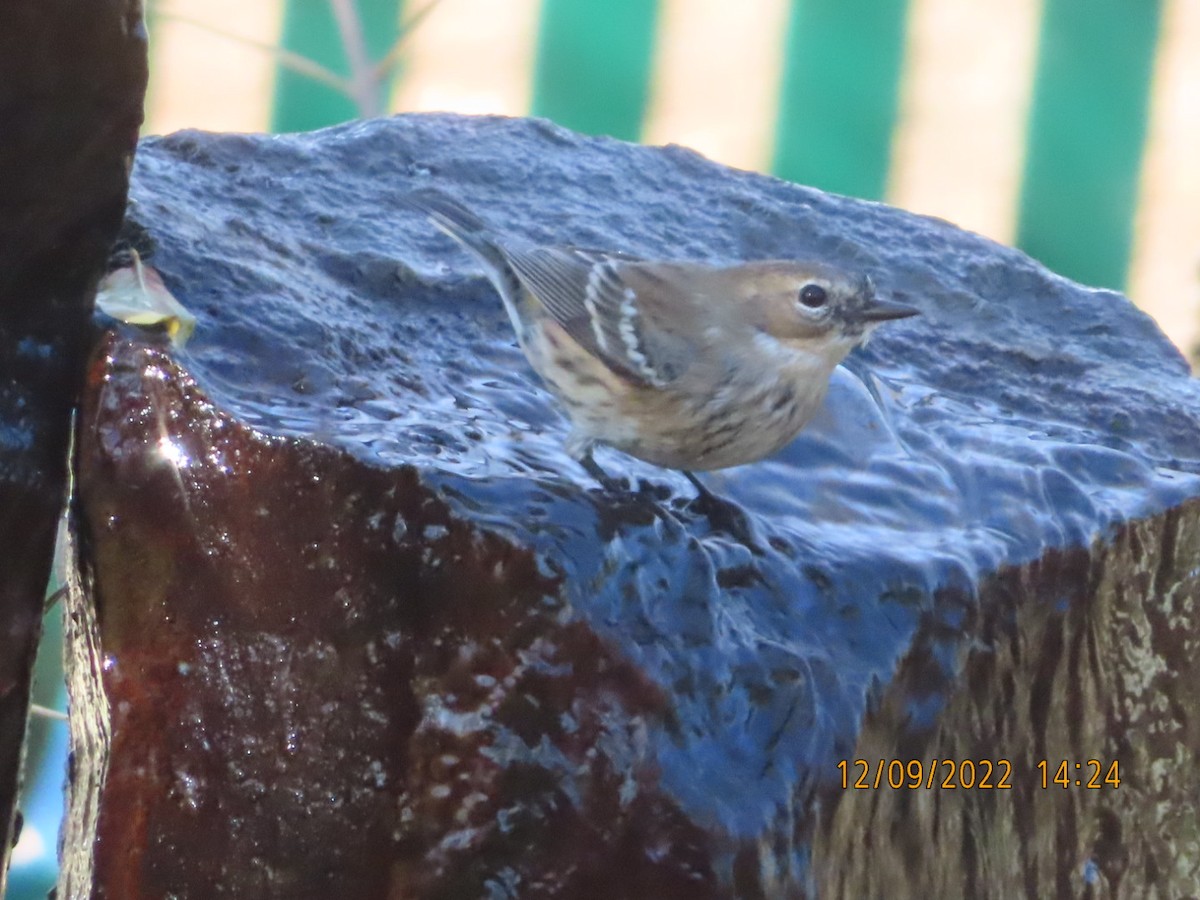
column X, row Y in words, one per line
column 1069, row 128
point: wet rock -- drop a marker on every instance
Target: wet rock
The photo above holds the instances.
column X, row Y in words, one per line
column 72, row 78
column 367, row 631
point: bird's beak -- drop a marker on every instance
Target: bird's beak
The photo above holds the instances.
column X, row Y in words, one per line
column 883, row 310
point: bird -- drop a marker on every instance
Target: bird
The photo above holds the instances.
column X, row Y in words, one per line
column 686, row 365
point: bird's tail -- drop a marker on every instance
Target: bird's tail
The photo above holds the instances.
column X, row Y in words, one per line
column 458, row 222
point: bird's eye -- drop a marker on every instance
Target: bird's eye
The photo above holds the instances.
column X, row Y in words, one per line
column 813, row 296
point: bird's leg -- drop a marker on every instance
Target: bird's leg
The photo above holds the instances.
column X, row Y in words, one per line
column 579, row 447
column 721, row 513
column 589, row 464
column 704, row 493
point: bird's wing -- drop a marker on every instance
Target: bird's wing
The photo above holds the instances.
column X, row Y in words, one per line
column 586, row 293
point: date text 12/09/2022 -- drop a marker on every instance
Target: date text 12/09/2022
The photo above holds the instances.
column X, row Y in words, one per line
column 968, row 774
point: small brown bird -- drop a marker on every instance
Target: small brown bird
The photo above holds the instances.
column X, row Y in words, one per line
column 685, row 365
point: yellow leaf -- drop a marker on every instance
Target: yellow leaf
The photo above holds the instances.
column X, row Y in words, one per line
column 136, row 294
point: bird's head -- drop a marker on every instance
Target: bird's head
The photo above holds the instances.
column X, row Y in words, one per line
column 813, row 307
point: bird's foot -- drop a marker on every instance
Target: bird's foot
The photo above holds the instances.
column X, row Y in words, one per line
column 606, row 481
column 722, row 515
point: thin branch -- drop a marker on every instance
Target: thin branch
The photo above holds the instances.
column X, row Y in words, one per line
column 45, row 712
column 363, row 86
column 286, row 58
column 387, row 64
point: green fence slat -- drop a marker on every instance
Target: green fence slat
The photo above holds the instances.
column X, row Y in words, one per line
column 593, row 64
column 838, row 99
column 310, row 30
column 1086, row 134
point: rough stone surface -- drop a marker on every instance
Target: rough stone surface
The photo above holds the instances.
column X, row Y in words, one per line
column 1088, row 656
column 368, row 631
column 72, row 77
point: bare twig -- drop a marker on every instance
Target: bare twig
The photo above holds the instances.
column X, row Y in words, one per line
column 286, row 58
column 45, row 712
column 387, row 64
column 364, row 87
